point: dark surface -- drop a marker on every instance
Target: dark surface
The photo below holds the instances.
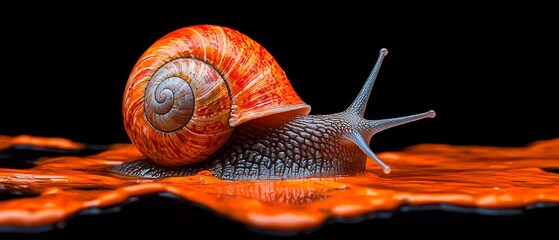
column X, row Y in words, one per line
column 24, row 156
column 164, row 215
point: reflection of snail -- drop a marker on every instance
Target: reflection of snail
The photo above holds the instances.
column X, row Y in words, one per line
column 210, row 98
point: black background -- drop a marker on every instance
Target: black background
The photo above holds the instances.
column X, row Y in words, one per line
column 488, row 71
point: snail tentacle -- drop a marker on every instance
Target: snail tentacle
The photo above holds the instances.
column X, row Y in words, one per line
column 363, row 144
column 359, row 105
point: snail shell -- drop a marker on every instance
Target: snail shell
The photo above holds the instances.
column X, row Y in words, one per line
column 190, row 89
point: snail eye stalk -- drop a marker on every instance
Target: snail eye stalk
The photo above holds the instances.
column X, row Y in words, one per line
column 360, row 103
column 362, row 134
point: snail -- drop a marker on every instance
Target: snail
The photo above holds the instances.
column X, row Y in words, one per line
column 208, row 97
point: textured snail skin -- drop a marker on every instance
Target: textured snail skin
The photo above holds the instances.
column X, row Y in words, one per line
column 276, row 147
column 209, row 98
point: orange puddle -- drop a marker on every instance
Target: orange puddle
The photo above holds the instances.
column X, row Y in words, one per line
column 476, row 176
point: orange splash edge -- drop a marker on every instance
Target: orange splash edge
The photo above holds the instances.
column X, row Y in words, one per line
column 45, row 142
column 471, row 176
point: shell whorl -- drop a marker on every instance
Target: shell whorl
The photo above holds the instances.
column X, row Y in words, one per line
column 191, row 87
column 169, row 98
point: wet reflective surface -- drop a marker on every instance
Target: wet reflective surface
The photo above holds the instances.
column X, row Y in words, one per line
column 45, row 183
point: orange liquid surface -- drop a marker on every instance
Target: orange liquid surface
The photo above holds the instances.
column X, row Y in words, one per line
column 471, row 176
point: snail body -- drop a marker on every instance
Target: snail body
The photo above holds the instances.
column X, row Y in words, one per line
column 207, row 97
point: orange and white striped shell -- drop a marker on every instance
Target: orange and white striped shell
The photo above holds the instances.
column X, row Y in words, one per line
column 191, row 87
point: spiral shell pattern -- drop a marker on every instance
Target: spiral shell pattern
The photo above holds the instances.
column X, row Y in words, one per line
column 191, row 87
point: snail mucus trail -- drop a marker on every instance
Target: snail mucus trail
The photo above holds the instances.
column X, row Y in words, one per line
column 289, row 145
